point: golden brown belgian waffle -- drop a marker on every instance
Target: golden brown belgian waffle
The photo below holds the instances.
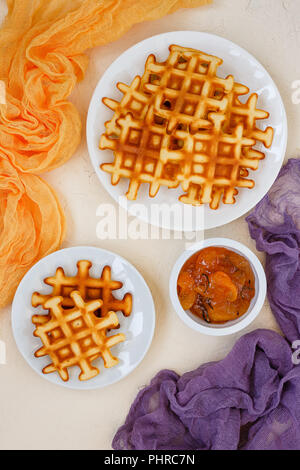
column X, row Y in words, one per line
column 214, row 164
column 210, row 163
column 141, row 155
column 88, row 287
column 186, row 87
column 182, row 124
column 76, row 336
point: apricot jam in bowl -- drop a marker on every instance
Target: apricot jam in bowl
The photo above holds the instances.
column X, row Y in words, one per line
column 218, row 286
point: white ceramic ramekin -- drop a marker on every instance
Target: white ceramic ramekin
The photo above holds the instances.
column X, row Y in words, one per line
column 231, row 326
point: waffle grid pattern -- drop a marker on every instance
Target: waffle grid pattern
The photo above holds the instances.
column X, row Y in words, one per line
column 180, row 124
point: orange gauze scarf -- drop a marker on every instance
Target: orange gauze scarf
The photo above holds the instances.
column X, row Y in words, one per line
column 42, row 44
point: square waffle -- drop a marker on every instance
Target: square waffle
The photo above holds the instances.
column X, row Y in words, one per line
column 141, row 155
column 76, row 336
column 181, row 124
column 89, row 288
column 186, row 87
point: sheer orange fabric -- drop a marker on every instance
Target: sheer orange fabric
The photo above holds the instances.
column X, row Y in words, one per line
column 32, row 225
column 42, row 45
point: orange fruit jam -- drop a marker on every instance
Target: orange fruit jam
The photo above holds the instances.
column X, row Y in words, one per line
column 216, row 284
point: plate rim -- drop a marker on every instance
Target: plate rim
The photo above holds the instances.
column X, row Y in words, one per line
column 96, row 166
column 61, row 382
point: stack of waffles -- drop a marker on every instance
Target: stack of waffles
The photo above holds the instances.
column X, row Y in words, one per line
column 81, row 311
column 181, row 125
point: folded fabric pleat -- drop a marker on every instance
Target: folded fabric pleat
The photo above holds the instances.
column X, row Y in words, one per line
column 249, row 400
column 32, row 225
column 275, row 226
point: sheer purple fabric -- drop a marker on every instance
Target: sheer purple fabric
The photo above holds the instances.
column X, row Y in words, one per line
column 251, row 399
column 275, row 225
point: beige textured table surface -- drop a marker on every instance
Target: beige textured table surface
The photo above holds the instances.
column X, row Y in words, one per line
column 35, row 414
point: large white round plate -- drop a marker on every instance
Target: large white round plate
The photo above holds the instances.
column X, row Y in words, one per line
column 138, row 327
column 247, row 70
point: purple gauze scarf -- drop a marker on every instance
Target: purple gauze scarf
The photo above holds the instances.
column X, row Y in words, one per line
column 251, row 399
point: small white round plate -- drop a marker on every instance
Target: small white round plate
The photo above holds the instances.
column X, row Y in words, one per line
column 245, row 69
column 138, row 327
